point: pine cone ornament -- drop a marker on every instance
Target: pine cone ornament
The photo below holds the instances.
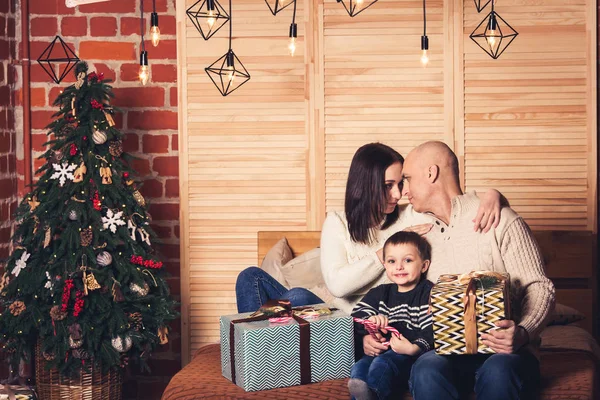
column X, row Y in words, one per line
column 139, row 290
column 86, row 237
column 48, row 356
column 74, row 343
column 122, row 343
column 57, row 314
column 104, row 259
column 135, row 319
column 115, row 148
column 17, row 307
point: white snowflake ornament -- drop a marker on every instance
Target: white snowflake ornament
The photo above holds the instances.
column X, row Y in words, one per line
column 112, row 220
column 63, row 172
column 21, row 263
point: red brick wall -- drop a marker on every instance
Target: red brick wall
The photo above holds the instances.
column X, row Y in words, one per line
column 106, row 35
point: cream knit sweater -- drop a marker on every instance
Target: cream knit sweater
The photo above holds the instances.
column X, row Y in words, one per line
column 350, row 269
column 457, row 248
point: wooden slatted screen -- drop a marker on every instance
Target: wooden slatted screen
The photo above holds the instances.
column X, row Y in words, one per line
column 275, row 154
column 527, row 116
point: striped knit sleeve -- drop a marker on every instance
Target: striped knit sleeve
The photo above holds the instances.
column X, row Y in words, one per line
column 523, row 261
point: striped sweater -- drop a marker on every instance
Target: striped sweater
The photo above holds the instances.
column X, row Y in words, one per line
column 405, row 311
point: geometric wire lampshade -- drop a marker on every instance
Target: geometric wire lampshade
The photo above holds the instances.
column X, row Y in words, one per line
column 493, row 34
column 57, row 52
column 355, row 7
column 481, row 4
column 277, row 5
column 208, row 16
column 228, row 73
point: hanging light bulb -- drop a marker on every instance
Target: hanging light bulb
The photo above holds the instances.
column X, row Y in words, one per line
column 492, row 33
column 293, row 36
column 210, row 5
column 154, row 30
column 424, row 48
column 144, row 74
column 230, row 70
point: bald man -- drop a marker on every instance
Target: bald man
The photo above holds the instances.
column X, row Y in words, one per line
column 431, row 184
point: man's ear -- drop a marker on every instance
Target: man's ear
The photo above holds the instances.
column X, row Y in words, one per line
column 433, row 173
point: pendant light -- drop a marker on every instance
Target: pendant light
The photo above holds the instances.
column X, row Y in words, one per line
column 57, row 52
column 278, row 5
column 154, row 31
column 293, row 33
column 228, row 73
column 493, row 35
column 208, row 16
column 424, row 40
column 143, row 74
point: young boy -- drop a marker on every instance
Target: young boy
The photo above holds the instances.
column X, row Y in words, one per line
column 403, row 305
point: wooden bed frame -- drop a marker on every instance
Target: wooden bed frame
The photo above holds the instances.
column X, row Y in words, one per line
column 570, row 259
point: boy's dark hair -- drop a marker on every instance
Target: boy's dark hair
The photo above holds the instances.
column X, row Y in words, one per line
column 402, row 237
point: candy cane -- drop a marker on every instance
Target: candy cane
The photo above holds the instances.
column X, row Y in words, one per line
column 373, row 330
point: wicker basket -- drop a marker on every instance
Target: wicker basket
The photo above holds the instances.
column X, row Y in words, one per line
column 92, row 385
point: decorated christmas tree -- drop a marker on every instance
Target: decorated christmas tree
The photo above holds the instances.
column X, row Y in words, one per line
column 84, row 282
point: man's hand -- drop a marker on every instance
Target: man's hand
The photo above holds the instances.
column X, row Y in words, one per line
column 506, row 340
column 373, row 347
column 402, row 345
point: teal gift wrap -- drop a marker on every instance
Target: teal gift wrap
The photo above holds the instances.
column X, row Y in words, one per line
column 293, row 351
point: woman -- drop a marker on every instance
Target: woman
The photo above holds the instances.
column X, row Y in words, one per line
column 351, row 241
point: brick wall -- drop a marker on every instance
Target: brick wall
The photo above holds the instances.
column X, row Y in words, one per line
column 106, row 35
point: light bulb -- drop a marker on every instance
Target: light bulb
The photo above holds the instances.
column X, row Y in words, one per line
column 211, row 19
column 231, row 73
column 292, row 46
column 424, row 58
column 144, row 75
column 155, row 34
column 491, row 39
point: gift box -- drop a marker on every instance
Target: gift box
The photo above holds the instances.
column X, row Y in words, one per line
column 278, row 349
column 14, row 392
column 465, row 306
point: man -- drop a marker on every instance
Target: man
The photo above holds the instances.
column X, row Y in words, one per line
column 431, row 184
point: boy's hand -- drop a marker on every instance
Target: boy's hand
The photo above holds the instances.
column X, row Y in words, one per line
column 381, row 321
column 402, row 345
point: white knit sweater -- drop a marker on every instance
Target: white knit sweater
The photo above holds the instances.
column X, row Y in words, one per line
column 351, row 269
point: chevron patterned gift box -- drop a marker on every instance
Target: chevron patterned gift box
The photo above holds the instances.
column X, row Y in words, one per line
column 464, row 306
column 268, row 355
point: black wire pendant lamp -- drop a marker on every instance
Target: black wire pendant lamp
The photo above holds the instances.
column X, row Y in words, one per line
column 424, row 40
column 228, row 73
column 355, row 7
column 143, row 72
column 278, row 5
column 493, row 34
column 293, row 33
column 57, row 52
column 208, row 16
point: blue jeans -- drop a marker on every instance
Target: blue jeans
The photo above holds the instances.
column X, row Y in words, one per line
column 494, row 377
column 254, row 287
column 386, row 375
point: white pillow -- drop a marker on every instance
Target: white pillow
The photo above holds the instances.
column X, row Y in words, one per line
column 304, row 271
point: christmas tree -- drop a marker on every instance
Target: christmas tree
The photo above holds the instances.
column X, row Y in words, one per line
column 83, row 281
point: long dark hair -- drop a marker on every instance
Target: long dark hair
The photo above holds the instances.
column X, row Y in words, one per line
column 366, row 193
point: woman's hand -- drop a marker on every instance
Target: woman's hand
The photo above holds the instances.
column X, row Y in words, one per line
column 373, row 347
column 419, row 229
column 488, row 214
